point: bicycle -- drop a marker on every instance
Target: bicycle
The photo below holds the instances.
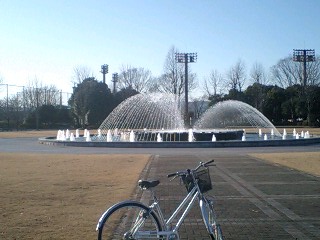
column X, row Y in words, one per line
column 130, row 220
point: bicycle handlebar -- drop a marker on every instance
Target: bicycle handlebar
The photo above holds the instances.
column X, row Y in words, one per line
column 180, row 173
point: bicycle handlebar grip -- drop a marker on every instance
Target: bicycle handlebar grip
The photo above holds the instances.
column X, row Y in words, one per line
column 211, row 161
column 172, row 175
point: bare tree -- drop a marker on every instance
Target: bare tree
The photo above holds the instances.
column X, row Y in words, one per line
column 212, row 83
column 288, row 73
column 313, row 73
column 81, row 73
column 15, row 110
column 236, row 76
column 36, row 95
column 257, row 74
column 173, row 80
column 138, row 79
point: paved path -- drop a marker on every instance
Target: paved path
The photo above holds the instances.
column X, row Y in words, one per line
column 253, row 199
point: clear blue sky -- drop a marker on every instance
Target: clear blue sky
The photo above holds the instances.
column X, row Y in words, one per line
column 48, row 38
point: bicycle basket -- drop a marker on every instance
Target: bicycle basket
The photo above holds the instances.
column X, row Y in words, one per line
column 204, row 180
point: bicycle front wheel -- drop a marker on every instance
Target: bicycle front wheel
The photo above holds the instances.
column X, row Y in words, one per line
column 209, row 219
column 129, row 220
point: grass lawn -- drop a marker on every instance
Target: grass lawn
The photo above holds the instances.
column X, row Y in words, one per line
column 60, row 196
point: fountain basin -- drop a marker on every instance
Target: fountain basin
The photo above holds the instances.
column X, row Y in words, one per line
column 253, row 141
column 183, row 136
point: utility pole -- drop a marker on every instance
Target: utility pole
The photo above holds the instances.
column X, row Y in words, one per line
column 114, row 80
column 186, row 58
column 104, row 71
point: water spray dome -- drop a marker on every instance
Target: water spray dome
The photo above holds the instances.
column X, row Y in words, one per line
column 234, row 114
column 152, row 112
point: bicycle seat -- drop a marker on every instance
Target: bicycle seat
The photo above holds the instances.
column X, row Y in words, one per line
column 144, row 184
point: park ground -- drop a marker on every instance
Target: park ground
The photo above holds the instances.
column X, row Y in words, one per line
column 61, row 196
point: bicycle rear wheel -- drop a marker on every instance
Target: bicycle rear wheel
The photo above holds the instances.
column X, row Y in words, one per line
column 128, row 220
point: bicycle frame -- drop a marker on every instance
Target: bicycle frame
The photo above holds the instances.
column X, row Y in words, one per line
column 168, row 228
column 168, row 231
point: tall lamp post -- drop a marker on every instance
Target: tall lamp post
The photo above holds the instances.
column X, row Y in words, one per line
column 186, row 58
column 104, row 71
column 114, row 80
column 304, row 56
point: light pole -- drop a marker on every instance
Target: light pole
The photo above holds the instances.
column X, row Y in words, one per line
column 114, row 80
column 104, row 71
column 304, row 56
column 186, row 58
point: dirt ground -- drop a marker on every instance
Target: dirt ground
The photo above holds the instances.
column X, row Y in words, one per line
column 46, row 196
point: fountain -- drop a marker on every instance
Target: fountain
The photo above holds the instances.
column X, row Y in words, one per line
column 307, row 135
column 233, row 114
column 159, row 138
column 190, row 136
column 87, row 136
column 244, row 138
column 214, row 139
column 72, row 138
column 109, row 136
column 146, row 115
column 150, row 114
column 132, row 136
column 155, row 120
column 77, row 133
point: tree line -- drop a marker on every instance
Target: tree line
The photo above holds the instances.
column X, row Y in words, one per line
column 282, row 94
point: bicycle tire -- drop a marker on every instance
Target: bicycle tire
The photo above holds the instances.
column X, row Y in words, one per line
column 219, row 235
column 116, row 222
column 209, row 219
